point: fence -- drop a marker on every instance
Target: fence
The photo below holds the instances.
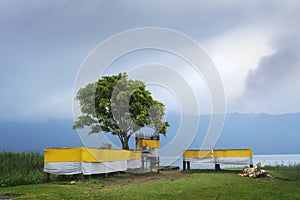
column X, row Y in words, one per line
column 88, row 161
column 219, row 156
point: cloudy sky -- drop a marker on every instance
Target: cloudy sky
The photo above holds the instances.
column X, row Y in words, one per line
column 255, row 46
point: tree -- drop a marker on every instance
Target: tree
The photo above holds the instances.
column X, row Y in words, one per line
column 120, row 106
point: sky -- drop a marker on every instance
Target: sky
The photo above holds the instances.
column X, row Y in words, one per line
column 254, row 45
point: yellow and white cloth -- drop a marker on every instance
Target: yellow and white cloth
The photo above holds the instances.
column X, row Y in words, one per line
column 234, row 156
column 220, row 156
column 67, row 161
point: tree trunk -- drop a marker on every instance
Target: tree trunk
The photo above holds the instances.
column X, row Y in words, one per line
column 125, row 144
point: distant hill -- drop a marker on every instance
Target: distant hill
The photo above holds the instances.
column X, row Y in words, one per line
column 35, row 136
column 264, row 133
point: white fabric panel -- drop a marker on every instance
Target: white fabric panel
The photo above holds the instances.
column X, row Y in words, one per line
column 133, row 164
column 63, row 168
column 234, row 160
column 151, row 153
column 155, row 152
column 88, row 168
column 200, row 160
column 104, row 167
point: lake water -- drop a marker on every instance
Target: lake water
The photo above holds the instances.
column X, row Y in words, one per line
column 277, row 159
column 271, row 160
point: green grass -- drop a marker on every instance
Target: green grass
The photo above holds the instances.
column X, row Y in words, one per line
column 20, row 168
column 27, row 168
column 288, row 172
column 194, row 186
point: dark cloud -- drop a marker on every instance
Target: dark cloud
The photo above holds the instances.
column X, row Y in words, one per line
column 273, row 85
column 73, row 20
column 273, row 69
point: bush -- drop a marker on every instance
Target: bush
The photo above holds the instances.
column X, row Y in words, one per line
column 291, row 172
column 21, row 168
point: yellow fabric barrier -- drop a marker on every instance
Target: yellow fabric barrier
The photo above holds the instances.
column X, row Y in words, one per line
column 63, row 155
column 197, row 154
column 82, row 154
column 217, row 153
column 150, row 143
column 220, row 156
column 233, row 153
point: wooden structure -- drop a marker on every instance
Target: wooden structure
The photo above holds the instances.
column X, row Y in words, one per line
column 87, row 161
column 217, row 157
column 149, row 146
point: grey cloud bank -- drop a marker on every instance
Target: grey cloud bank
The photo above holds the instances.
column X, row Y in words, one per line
column 43, row 44
column 274, row 83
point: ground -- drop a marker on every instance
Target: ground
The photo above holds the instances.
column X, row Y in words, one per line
column 191, row 184
column 126, row 179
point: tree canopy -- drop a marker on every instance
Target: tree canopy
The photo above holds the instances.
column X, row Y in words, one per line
column 120, row 106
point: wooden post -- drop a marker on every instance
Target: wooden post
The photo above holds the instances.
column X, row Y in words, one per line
column 151, row 164
column 46, row 177
column 89, row 177
column 158, row 165
column 63, row 177
column 143, row 164
column 188, row 165
column 80, row 177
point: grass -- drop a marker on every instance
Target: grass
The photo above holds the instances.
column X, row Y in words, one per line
column 291, row 172
column 206, row 185
column 18, row 169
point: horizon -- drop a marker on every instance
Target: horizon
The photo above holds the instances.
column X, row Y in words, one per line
column 280, row 133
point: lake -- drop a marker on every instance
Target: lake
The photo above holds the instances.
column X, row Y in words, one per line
column 277, row 159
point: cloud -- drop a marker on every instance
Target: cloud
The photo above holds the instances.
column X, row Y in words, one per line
column 55, row 105
column 43, row 44
column 236, row 52
column 37, row 105
column 164, row 73
column 273, row 85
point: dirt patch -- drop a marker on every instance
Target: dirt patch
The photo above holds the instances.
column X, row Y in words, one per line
column 9, row 196
column 142, row 178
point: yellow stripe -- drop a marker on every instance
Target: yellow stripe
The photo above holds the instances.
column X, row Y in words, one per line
column 233, row 153
column 197, row 154
column 150, row 143
column 88, row 155
column 106, row 155
column 217, row 153
column 63, row 155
